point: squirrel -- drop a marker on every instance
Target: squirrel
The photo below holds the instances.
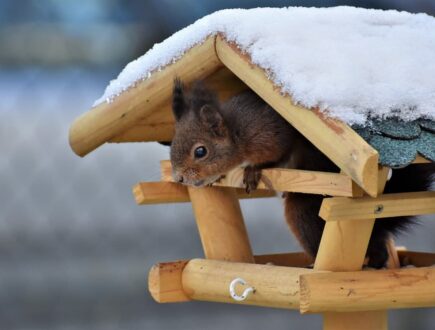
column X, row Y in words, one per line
column 212, row 138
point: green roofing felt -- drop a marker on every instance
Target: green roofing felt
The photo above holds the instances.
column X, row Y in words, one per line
column 399, row 142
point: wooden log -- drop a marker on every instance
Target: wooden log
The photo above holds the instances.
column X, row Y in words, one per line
column 334, row 138
column 220, row 223
column 108, row 120
column 159, row 126
column 342, row 248
column 280, row 179
column 343, row 245
column 275, row 286
column 368, row 290
column 384, row 206
column 168, row 192
column 164, row 279
column 164, row 282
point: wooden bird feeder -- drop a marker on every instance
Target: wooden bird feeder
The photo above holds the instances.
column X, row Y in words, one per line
column 348, row 297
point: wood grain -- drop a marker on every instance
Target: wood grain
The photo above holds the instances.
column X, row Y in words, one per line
column 343, row 248
column 164, row 282
column 107, row 120
column 160, row 124
column 280, row 179
column 220, row 224
column 168, row 192
column 368, row 290
column 334, row 138
column 384, row 206
column 275, row 286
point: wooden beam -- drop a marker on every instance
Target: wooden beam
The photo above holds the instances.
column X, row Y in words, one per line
column 294, row 259
column 108, row 120
column 343, row 248
column 159, row 192
column 164, row 282
column 275, row 286
column 220, row 224
column 159, row 126
column 417, row 259
column 334, row 138
column 384, row 206
column 164, row 279
column 368, row 290
column 280, row 179
column 168, row 192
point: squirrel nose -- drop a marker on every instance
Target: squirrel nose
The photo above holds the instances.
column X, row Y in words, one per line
column 180, row 179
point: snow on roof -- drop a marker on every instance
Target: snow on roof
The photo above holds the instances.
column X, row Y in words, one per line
column 352, row 63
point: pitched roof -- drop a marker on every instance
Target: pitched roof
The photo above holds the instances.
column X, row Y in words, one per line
column 136, row 106
column 350, row 63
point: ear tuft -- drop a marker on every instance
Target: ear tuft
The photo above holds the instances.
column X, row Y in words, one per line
column 178, row 99
column 213, row 119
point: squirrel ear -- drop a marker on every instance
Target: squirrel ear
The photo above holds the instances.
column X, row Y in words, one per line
column 212, row 118
column 178, row 100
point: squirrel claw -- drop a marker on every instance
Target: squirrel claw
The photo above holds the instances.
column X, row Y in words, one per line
column 251, row 178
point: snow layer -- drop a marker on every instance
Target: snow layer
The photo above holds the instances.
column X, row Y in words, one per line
column 350, row 62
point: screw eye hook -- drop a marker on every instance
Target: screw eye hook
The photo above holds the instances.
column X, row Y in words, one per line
column 245, row 293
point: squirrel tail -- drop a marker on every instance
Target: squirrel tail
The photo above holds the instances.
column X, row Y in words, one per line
column 301, row 211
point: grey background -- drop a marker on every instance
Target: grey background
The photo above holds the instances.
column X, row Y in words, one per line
column 74, row 248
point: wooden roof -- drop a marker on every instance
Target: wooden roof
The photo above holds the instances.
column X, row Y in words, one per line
column 143, row 112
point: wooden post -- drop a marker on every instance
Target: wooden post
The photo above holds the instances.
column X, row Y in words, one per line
column 343, row 248
column 220, row 224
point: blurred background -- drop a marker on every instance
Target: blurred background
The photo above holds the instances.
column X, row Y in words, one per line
column 74, row 248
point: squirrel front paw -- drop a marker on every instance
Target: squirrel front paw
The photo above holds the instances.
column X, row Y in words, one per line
column 251, row 178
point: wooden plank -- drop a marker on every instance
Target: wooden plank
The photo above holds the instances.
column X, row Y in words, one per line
column 343, row 248
column 275, row 286
column 159, row 192
column 343, row 245
column 280, row 179
column 418, row 259
column 220, row 224
column 108, row 120
column 384, row 206
column 368, row 290
column 295, row 259
column 164, row 282
column 334, row 138
column 421, row 160
column 159, row 126
column 168, row 192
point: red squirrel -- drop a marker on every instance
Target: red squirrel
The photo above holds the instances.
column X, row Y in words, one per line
column 212, row 138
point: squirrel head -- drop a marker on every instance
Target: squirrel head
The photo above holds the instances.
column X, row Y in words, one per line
column 203, row 148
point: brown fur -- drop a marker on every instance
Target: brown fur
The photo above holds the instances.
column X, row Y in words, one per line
column 246, row 131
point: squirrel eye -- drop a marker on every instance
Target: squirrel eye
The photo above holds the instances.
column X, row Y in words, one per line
column 200, row 152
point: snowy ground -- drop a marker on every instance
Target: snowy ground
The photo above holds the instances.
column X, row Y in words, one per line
column 75, row 249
